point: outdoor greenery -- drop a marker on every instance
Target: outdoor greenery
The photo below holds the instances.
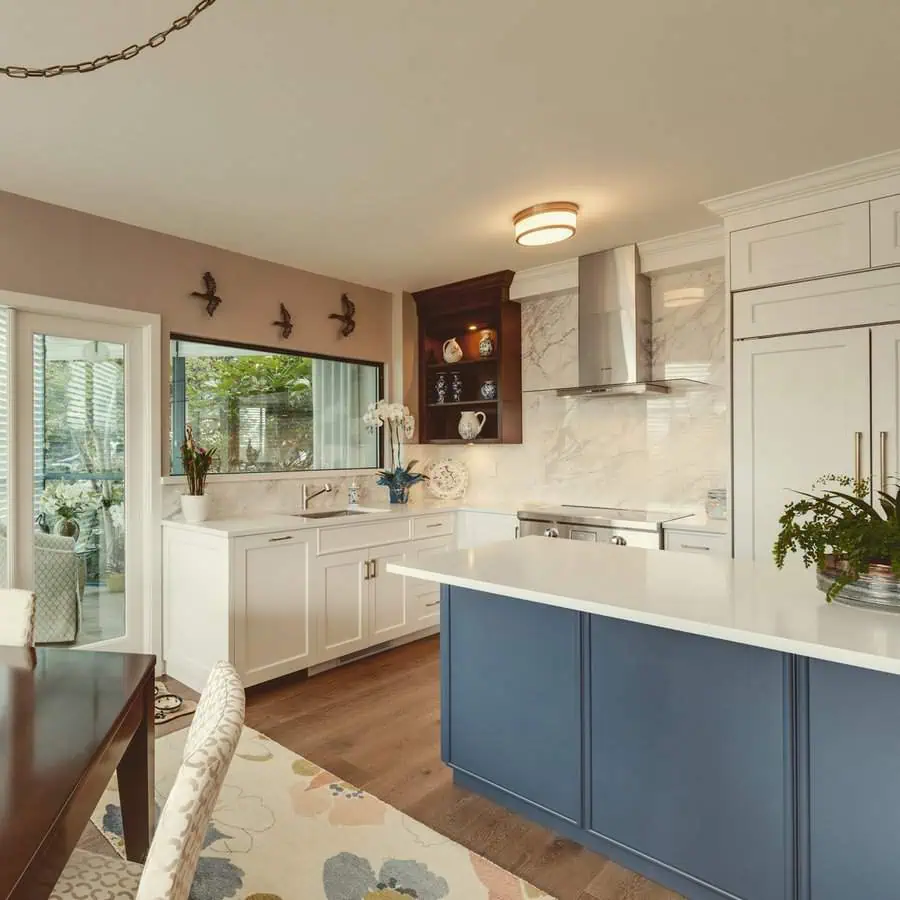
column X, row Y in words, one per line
column 843, row 527
column 218, row 388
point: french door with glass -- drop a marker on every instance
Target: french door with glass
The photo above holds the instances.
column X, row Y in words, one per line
column 76, row 493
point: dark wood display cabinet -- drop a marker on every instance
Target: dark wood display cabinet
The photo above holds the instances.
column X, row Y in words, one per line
column 487, row 327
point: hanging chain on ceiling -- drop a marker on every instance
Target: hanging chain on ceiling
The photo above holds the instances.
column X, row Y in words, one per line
column 92, row 65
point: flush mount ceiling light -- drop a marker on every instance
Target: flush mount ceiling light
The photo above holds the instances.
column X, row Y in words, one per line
column 684, row 297
column 92, row 65
column 545, row 223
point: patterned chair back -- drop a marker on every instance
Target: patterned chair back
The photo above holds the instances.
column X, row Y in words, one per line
column 16, row 618
column 211, row 742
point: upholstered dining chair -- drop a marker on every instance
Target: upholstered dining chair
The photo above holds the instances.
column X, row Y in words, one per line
column 16, row 618
column 183, row 822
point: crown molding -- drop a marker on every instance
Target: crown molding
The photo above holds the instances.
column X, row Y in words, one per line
column 686, row 249
column 858, row 181
column 559, row 276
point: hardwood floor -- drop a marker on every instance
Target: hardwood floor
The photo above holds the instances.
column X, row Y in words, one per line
column 376, row 723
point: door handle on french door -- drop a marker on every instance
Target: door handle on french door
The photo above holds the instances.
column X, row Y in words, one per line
column 883, row 460
column 857, row 450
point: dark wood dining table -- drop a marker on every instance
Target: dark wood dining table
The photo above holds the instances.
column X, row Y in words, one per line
column 69, row 719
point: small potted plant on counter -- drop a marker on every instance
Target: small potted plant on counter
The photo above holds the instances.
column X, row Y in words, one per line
column 853, row 543
column 197, row 462
column 399, row 423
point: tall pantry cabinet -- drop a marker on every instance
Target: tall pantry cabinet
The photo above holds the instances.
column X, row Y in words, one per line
column 815, row 364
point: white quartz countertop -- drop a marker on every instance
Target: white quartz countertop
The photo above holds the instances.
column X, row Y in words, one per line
column 267, row 523
column 734, row 600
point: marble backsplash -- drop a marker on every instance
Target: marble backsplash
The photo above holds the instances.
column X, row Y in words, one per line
column 251, row 497
column 656, row 451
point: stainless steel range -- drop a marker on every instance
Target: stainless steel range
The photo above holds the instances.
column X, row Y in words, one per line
column 622, row 527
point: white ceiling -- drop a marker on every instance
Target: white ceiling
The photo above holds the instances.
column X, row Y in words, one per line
column 390, row 141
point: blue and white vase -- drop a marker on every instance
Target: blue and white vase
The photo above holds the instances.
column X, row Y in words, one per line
column 456, row 387
column 489, row 390
column 486, row 344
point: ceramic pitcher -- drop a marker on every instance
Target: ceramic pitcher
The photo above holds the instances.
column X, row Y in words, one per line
column 470, row 424
column 452, row 351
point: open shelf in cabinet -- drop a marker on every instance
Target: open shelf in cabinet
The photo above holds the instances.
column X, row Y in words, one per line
column 466, row 312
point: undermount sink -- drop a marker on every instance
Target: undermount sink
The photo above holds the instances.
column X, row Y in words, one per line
column 331, row 513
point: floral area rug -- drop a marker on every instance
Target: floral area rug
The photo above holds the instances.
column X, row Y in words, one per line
column 285, row 829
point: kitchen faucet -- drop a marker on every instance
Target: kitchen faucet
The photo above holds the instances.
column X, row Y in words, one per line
column 306, row 496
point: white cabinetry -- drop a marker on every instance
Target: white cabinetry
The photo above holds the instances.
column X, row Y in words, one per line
column 886, row 231
column 886, row 407
column 341, row 584
column 704, row 542
column 801, row 410
column 477, row 528
column 274, row 627
column 389, row 612
column 278, row 602
column 425, row 596
column 823, row 243
column 844, row 301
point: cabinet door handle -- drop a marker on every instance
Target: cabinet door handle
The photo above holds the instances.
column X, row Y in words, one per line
column 374, row 568
column 434, row 603
column 857, row 452
column 517, row 532
column 368, row 574
column 287, row 537
column 884, row 456
column 693, row 547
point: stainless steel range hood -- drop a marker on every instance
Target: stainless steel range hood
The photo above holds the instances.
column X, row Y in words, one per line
column 614, row 325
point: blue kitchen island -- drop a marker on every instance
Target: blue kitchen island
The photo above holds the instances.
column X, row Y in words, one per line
column 710, row 723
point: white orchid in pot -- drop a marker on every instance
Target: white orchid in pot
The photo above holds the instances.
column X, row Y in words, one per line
column 64, row 501
column 400, row 424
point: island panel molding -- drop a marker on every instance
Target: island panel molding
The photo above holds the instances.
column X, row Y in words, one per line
column 717, row 769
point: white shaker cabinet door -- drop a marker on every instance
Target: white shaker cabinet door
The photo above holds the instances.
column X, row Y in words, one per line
column 274, row 626
column 886, row 407
column 342, row 595
column 823, row 243
column 389, row 601
column 885, row 231
column 801, row 410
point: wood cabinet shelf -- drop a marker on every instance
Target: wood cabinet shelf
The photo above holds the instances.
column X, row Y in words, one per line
column 463, row 362
column 465, row 311
column 462, row 403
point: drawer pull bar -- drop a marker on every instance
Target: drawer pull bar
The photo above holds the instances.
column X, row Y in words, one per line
column 693, row 547
column 287, row 537
column 434, row 603
column 435, row 525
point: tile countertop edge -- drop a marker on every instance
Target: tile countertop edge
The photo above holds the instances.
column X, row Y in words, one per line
column 797, row 622
column 266, row 523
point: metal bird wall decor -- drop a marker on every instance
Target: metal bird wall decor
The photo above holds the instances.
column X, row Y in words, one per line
column 208, row 294
column 285, row 323
column 347, row 321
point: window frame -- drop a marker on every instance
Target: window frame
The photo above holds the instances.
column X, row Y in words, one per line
column 177, row 428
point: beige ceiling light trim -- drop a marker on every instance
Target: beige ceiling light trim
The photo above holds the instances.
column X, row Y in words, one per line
column 545, row 223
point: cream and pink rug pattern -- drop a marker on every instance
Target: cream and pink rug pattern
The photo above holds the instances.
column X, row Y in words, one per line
column 285, row 829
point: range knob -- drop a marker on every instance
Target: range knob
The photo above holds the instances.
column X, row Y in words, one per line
column 551, row 532
column 618, row 541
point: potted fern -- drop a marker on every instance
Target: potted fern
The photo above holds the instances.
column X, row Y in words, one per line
column 854, row 544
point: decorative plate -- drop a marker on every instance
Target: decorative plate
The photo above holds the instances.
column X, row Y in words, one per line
column 447, row 479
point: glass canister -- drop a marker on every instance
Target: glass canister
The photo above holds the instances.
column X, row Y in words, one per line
column 717, row 503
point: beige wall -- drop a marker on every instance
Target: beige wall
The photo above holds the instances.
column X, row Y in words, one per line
column 56, row 252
